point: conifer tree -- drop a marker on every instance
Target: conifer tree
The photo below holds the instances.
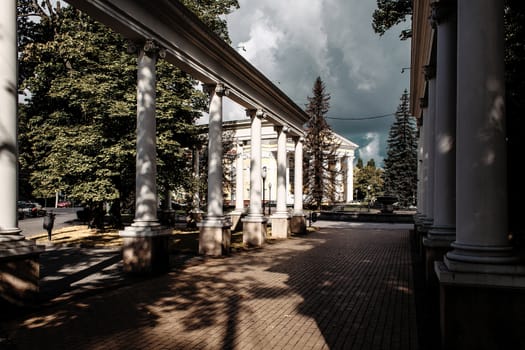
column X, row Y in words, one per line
column 400, row 174
column 321, row 180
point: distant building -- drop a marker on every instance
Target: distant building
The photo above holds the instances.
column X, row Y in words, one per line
column 240, row 133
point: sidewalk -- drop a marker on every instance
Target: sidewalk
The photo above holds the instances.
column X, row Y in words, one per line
column 346, row 286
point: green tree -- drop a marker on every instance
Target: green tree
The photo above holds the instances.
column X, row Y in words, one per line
column 320, row 175
column 368, row 180
column 77, row 128
column 390, row 13
column 401, row 161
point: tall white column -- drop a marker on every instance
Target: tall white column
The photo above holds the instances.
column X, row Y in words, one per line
column 281, row 170
column 482, row 235
column 8, row 119
column 255, row 209
column 280, row 220
column 239, row 178
column 254, row 224
column 146, row 157
column 429, row 149
column 349, row 178
column 339, row 188
column 145, row 248
column 215, row 189
column 443, row 229
column 298, row 177
column 214, row 233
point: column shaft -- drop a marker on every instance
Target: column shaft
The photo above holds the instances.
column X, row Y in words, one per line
column 428, row 124
column 239, row 179
column 298, row 177
column 349, row 178
column 215, row 190
column 281, row 170
column 146, row 161
column 255, row 209
column 8, row 119
column 445, row 123
column 481, row 177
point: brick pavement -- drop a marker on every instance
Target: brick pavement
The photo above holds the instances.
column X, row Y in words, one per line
column 338, row 288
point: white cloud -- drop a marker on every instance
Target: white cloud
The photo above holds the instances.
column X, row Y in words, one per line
column 293, row 42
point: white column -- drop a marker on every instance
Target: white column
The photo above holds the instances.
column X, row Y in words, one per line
column 215, row 189
column 239, row 179
column 255, row 209
column 420, row 173
column 8, row 119
column 281, row 170
column 428, row 124
column 298, row 177
column 443, row 229
column 146, row 158
column 349, row 178
column 481, row 162
column 196, row 176
column 339, row 188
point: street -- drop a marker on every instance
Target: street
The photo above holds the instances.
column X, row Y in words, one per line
column 33, row 226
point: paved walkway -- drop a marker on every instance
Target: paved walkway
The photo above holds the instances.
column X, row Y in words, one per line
column 348, row 286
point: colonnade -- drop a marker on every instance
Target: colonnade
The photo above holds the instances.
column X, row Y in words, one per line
column 462, row 218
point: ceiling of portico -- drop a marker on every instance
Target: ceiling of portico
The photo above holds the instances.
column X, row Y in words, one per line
column 195, row 49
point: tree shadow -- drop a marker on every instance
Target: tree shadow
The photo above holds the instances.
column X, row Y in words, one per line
column 351, row 289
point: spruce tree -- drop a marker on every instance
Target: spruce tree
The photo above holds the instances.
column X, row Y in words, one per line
column 400, row 174
column 320, row 175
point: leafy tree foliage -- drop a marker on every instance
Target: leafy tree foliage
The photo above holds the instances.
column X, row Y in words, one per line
column 368, row 180
column 320, row 173
column 77, row 128
column 401, row 160
column 390, row 13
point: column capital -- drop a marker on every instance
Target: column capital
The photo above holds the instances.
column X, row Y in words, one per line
column 423, row 102
column 281, row 128
column 441, row 12
column 298, row 139
column 148, row 46
column 252, row 113
column 429, row 71
column 218, row 88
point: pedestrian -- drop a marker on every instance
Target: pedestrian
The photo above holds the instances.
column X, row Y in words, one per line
column 49, row 221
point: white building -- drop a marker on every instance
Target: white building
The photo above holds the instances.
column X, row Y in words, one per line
column 241, row 133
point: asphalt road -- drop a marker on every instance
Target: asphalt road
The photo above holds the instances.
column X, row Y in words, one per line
column 33, row 226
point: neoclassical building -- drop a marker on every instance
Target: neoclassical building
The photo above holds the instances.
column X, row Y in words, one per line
column 473, row 259
column 239, row 165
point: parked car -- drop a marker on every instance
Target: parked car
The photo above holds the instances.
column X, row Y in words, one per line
column 64, row 204
column 31, row 209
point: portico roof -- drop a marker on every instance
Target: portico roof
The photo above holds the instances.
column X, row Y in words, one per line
column 195, row 49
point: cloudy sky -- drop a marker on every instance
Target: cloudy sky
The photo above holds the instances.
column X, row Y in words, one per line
column 294, row 42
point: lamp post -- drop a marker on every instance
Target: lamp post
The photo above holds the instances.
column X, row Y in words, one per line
column 269, row 198
column 263, row 175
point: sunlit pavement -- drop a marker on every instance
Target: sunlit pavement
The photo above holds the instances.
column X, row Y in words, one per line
column 347, row 286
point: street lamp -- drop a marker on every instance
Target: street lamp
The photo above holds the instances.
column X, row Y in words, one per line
column 269, row 197
column 263, row 175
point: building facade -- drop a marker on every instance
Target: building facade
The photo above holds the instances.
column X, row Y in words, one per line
column 239, row 131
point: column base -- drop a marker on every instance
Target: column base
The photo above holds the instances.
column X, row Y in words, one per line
column 481, row 310
column 280, row 225
column 434, row 252
column 298, row 224
column 19, row 270
column 254, row 230
column 194, row 218
column 215, row 236
column 145, row 249
column 235, row 217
